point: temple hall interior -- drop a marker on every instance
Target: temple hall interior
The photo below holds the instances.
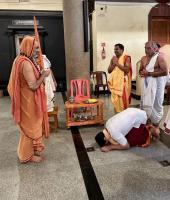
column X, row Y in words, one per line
column 78, row 38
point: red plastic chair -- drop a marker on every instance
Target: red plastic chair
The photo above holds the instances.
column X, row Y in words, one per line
column 80, row 89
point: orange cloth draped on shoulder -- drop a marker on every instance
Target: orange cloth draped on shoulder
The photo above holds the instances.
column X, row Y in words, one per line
column 28, row 107
column 120, row 86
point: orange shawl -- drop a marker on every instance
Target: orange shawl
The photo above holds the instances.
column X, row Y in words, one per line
column 26, row 50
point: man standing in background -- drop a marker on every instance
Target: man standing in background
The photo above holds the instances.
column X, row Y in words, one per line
column 120, row 71
column 153, row 71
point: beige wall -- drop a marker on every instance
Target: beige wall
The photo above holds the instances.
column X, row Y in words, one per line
column 120, row 23
column 125, row 23
column 53, row 5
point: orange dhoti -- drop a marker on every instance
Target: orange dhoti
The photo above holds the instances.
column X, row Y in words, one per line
column 30, row 125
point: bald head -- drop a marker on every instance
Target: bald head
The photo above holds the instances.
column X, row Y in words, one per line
column 152, row 44
column 150, row 48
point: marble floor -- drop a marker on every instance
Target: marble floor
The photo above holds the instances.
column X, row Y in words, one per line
column 69, row 172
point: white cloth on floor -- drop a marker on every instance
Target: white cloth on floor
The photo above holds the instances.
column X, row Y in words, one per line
column 120, row 124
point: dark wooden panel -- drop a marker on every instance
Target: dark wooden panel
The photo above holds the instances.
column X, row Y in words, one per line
column 158, row 12
column 52, row 40
column 160, row 31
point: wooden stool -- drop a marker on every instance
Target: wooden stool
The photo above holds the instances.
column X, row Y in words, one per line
column 53, row 114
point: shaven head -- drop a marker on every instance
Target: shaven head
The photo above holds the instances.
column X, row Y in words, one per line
column 100, row 139
column 150, row 48
column 152, row 44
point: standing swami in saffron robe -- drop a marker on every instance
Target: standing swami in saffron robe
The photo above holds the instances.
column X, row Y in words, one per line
column 29, row 110
column 120, row 71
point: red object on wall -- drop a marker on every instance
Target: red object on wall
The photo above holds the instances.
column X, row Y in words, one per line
column 103, row 53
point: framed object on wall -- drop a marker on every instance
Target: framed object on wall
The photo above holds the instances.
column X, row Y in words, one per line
column 18, row 40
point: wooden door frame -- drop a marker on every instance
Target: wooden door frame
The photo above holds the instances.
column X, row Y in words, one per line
column 160, row 10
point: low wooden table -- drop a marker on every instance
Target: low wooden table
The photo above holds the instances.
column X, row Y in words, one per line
column 94, row 110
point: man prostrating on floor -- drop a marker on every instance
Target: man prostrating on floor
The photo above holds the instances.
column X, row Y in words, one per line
column 126, row 129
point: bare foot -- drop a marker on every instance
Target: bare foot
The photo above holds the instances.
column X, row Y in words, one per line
column 36, row 159
column 155, row 132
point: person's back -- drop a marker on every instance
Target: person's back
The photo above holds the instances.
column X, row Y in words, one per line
column 123, row 122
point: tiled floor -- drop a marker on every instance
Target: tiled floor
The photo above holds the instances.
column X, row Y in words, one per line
column 134, row 174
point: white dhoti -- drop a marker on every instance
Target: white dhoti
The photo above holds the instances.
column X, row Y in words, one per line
column 157, row 111
column 149, row 85
column 49, row 86
column 153, row 93
column 49, row 93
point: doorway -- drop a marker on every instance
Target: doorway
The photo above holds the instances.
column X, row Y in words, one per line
column 160, row 30
column 159, row 24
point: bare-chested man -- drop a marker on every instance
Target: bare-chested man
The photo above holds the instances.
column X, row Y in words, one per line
column 153, row 71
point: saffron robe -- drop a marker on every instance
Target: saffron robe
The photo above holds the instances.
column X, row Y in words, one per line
column 28, row 107
column 120, row 86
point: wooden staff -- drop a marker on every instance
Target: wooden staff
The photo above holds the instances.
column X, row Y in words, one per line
column 40, row 58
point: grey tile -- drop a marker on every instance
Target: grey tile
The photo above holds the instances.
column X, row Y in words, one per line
column 133, row 181
column 135, row 174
